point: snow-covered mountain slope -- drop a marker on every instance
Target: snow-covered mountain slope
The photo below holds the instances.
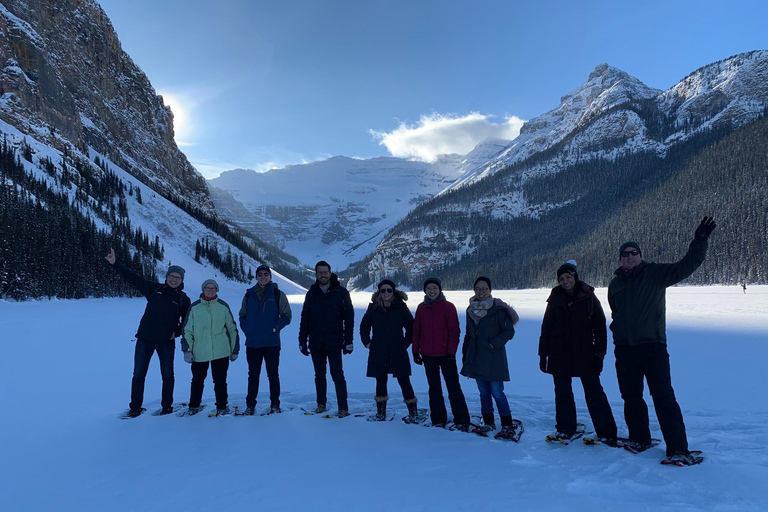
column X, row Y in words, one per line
column 336, row 209
column 611, row 116
column 156, row 216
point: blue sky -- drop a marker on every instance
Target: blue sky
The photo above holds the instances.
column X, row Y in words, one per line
column 262, row 84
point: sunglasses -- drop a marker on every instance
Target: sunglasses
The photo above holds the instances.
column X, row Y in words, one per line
column 626, row 254
column 386, row 290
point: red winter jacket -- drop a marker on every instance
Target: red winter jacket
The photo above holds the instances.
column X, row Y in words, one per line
column 436, row 329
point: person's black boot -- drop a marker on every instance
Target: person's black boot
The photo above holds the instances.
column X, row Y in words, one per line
column 381, row 408
column 488, row 420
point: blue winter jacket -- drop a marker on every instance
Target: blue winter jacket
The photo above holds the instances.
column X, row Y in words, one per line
column 262, row 320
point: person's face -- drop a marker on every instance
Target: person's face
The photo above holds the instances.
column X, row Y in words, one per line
column 387, row 293
column 630, row 258
column 173, row 280
column 323, row 275
column 263, row 277
column 432, row 291
column 567, row 281
column 482, row 291
column 209, row 291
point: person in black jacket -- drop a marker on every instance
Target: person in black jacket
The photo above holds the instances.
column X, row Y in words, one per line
column 392, row 324
column 637, row 296
column 572, row 344
column 167, row 305
column 325, row 332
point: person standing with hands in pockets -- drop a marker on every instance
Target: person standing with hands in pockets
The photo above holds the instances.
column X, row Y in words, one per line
column 167, row 305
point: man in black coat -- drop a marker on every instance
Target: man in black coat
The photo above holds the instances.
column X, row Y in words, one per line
column 325, row 332
column 637, row 296
column 167, row 305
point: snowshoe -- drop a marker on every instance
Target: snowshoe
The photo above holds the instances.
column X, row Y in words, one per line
column 132, row 413
column 511, row 433
column 681, row 459
column 568, row 438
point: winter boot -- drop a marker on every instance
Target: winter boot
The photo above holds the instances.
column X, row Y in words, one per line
column 381, row 408
column 488, row 420
column 413, row 411
column 249, row 410
column 320, row 409
column 507, row 427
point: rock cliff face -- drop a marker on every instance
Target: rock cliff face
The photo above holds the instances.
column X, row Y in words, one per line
column 65, row 77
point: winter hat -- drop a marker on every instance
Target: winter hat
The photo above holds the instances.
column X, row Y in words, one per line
column 486, row 280
column 435, row 280
column 209, row 281
column 177, row 269
column 569, row 267
column 264, row 267
column 629, row 244
column 386, row 281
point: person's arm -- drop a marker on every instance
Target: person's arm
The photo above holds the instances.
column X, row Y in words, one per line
column 285, row 315
column 365, row 329
column 697, row 251
column 416, row 339
column 232, row 332
column 454, row 329
column 306, row 314
column 144, row 286
column 349, row 319
column 598, row 328
column 188, row 332
column 408, row 324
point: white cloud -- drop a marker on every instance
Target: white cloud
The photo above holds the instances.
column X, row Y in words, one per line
column 437, row 134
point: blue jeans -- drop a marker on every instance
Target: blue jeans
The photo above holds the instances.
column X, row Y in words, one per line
column 495, row 389
column 141, row 358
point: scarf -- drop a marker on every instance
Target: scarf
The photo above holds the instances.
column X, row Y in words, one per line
column 479, row 308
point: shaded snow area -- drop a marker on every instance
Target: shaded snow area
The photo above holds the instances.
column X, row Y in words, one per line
column 67, row 379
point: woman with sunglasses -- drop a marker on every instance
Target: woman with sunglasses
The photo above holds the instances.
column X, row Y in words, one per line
column 392, row 324
column 572, row 344
column 490, row 325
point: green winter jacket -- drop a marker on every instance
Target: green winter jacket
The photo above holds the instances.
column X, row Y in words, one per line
column 209, row 331
column 638, row 302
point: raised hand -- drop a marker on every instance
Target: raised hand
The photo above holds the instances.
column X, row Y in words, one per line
column 705, row 228
column 111, row 256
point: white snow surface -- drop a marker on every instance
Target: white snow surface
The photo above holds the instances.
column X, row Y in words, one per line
column 68, row 378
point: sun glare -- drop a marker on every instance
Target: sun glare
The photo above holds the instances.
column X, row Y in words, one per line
column 180, row 119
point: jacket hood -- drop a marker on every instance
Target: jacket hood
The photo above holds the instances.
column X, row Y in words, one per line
column 399, row 297
column 558, row 294
column 500, row 304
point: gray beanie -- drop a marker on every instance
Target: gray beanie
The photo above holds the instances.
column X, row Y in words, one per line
column 177, row 269
column 209, row 281
column 627, row 245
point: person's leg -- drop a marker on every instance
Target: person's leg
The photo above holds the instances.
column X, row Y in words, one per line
column 381, row 385
column 437, row 411
column 455, row 394
column 629, row 373
column 272, row 360
column 486, row 402
column 497, row 391
column 199, row 373
column 664, row 402
column 254, row 356
column 565, row 405
column 141, row 357
column 406, row 387
column 165, row 353
column 219, row 368
column 321, row 382
column 599, row 408
column 337, row 374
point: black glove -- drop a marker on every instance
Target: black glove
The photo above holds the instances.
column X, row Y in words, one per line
column 543, row 363
column 417, row 359
column 347, row 349
column 597, row 365
column 304, row 349
column 705, row 229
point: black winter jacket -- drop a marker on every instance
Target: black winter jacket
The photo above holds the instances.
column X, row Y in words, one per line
column 638, row 302
column 392, row 333
column 327, row 319
column 484, row 352
column 166, row 307
column 573, row 332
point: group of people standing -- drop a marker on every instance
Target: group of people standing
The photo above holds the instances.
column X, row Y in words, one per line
column 573, row 343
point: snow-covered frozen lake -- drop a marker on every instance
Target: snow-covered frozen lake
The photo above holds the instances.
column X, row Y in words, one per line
column 67, row 378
